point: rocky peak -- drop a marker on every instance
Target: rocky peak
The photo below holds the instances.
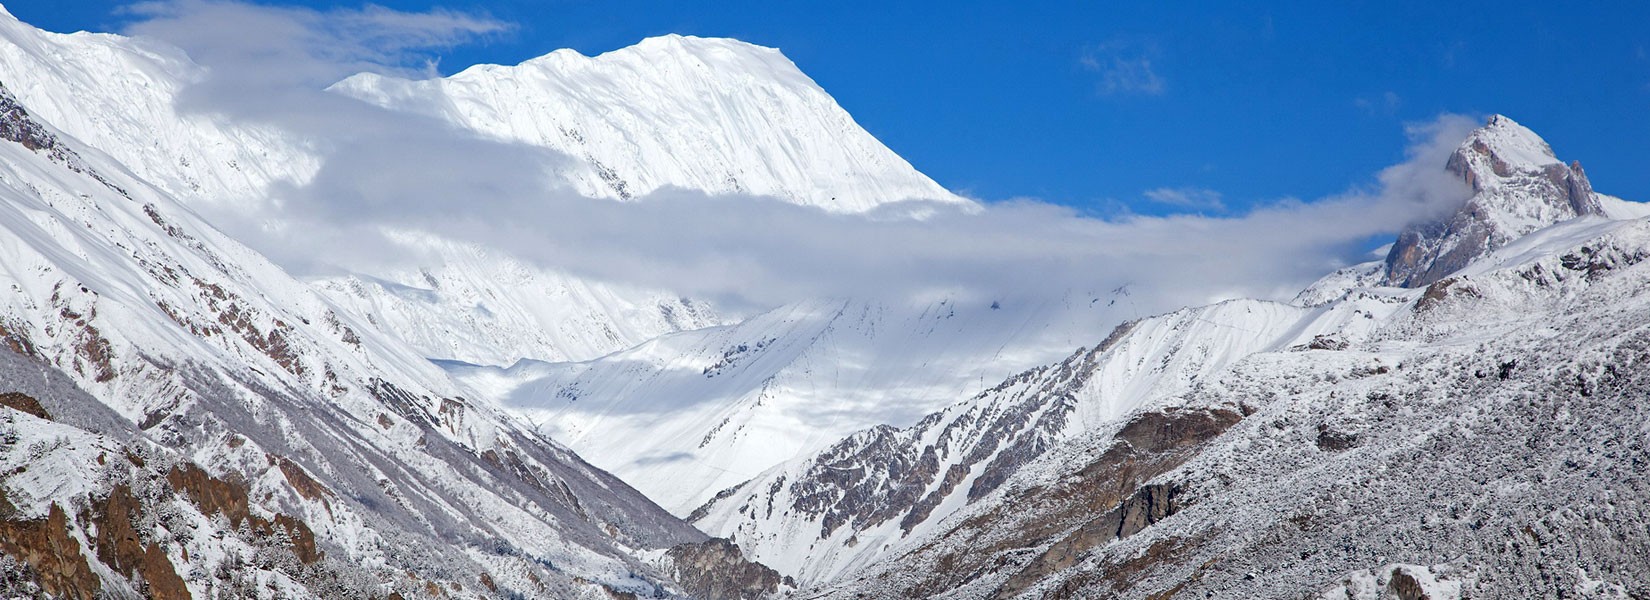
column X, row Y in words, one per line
column 1518, row 186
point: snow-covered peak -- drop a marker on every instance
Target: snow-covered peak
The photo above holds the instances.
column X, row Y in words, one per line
column 1518, row 186
column 715, row 115
column 724, row 60
column 1514, row 145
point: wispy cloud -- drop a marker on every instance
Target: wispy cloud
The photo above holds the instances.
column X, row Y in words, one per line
column 1188, row 198
column 1451, row 53
column 261, row 54
column 387, row 179
column 1124, row 68
column 1383, row 104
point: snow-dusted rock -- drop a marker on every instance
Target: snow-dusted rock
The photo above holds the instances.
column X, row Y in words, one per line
column 1518, row 186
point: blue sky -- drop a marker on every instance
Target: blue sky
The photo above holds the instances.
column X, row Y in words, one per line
column 1096, row 105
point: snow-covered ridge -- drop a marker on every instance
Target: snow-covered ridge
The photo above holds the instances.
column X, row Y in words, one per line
column 715, row 115
column 870, row 495
column 1377, row 381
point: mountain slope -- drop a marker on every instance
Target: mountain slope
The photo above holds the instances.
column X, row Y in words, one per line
column 208, row 358
column 884, row 506
column 1477, row 442
column 827, row 513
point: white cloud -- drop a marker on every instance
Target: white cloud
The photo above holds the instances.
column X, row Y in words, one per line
column 1189, row 198
column 265, row 58
column 1124, row 68
column 388, row 173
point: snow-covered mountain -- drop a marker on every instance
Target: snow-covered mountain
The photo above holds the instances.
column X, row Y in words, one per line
column 180, row 417
column 119, row 95
column 715, row 115
column 1006, row 492
column 185, row 418
column 687, row 415
column 1483, row 438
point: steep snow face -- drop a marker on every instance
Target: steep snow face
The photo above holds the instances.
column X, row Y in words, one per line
column 687, row 414
column 715, row 115
column 1518, row 186
column 117, row 94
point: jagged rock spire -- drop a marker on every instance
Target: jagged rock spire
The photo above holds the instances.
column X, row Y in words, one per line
column 1518, row 186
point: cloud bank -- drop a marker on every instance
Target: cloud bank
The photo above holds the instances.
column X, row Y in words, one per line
column 386, row 174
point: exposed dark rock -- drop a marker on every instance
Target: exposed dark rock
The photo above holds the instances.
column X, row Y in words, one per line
column 1114, row 577
column 25, row 403
column 17, row 125
column 1406, row 587
column 1334, row 440
column 120, row 546
column 1326, row 342
column 1154, row 442
column 1442, row 290
column 1148, row 505
column 217, row 496
column 1106, row 499
column 715, row 568
column 52, row 554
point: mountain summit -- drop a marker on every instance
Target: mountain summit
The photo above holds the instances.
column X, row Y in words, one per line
column 1518, row 186
column 715, row 115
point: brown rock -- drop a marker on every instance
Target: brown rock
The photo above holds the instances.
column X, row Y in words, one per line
column 121, row 548
column 715, row 568
column 46, row 547
column 25, row 403
column 216, row 496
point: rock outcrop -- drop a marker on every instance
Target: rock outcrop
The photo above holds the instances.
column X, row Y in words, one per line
column 715, row 568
